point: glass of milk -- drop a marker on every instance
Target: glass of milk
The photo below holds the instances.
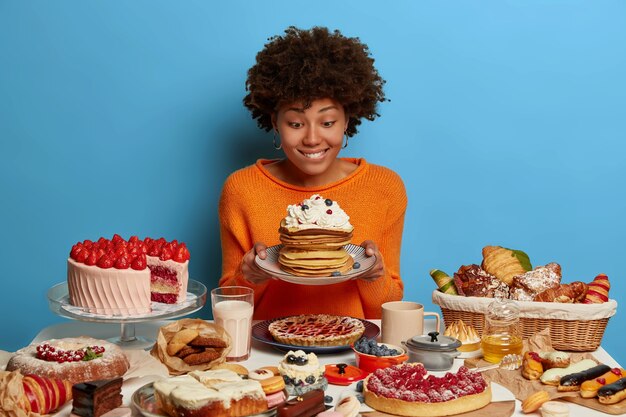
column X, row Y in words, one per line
column 232, row 309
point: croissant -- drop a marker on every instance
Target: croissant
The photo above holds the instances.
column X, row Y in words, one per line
column 32, row 393
column 564, row 293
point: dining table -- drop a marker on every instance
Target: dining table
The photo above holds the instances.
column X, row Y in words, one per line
column 262, row 354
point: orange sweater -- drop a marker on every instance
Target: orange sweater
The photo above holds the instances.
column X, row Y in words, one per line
column 250, row 209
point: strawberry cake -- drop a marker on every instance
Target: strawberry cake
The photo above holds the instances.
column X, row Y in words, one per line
column 120, row 277
column 407, row 390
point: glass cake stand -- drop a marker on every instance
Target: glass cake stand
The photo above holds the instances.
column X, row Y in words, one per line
column 59, row 302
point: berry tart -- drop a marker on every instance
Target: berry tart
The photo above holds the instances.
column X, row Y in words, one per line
column 302, row 372
column 76, row 359
column 121, row 277
column 317, row 330
column 407, row 390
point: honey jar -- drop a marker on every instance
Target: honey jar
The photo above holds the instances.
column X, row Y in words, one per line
column 501, row 334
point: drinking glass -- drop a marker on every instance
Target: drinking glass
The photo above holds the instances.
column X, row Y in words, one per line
column 232, row 309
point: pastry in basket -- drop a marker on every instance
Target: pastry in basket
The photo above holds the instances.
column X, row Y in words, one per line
column 73, row 359
column 302, row 372
column 219, row 393
column 473, row 281
column 598, row 290
column 443, row 281
column 316, row 330
column 505, row 263
column 467, row 334
column 525, row 287
column 32, row 393
column 407, row 390
column 313, row 235
column 564, row 293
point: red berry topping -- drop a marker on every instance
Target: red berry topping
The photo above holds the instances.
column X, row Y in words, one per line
column 329, row 211
column 133, row 239
column 117, row 238
column 122, row 263
column 92, row 259
column 165, row 254
column 82, row 255
column 87, row 243
column 76, row 250
column 105, row 262
column 617, row 371
column 601, row 381
column 139, row 263
column 535, row 356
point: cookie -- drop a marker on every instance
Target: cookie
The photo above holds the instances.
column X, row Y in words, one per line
column 208, row 341
column 188, row 350
column 209, row 354
column 180, row 339
column 238, row 369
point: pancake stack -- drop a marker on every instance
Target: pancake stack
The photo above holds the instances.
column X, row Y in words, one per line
column 313, row 235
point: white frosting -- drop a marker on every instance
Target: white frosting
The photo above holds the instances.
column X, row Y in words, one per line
column 165, row 386
column 210, row 378
column 300, row 372
column 196, row 396
column 317, row 214
column 199, row 388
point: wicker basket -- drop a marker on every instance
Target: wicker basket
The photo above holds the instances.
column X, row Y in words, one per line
column 573, row 327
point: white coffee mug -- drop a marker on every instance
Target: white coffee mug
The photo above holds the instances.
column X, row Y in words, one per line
column 402, row 320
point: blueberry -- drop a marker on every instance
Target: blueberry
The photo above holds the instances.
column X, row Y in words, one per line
column 288, row 381
column 305, row 207
column 356, row 265
column 292, row 359
column 328, row 202
column 372, row 343
column 359, row 386
column 335, row 274
column 301, row 360
column 360, row 398
column 309, row 379
column 328, row 398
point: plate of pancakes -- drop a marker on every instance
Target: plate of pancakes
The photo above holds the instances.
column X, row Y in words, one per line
column 316, row 267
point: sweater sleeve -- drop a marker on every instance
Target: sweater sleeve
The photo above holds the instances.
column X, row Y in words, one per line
column 235, row 237
column 390, row 287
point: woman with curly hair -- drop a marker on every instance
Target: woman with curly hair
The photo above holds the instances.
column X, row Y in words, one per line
column 312, row 88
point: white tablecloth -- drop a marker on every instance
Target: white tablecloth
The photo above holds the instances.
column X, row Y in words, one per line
column 263, row 355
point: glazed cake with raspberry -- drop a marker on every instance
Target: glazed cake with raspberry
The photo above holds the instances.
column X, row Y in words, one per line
column 120, row 278
column 408, row 390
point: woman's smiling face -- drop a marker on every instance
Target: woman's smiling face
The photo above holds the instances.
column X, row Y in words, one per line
column 312, row 138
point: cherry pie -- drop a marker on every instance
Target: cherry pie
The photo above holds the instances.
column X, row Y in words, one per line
column 317, row 330
column 407, row 390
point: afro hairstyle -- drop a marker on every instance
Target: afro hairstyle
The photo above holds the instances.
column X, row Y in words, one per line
column 306, row 65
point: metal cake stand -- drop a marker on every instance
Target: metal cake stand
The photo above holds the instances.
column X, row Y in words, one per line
column 59, row 302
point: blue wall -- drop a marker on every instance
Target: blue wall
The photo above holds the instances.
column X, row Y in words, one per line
column 507, row 122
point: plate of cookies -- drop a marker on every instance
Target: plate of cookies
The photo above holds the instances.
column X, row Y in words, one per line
column 316, row 267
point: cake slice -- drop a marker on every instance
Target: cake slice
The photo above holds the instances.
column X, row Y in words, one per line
column 169, row 270
column 94, row 398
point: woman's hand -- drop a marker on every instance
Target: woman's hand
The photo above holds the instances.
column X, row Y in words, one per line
column 378, row 270
column 250, row 270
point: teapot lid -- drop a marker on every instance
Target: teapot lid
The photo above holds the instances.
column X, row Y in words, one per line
column 433, row 341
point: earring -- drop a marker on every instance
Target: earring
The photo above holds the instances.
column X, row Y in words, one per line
column 345, row 134
column 280, row 145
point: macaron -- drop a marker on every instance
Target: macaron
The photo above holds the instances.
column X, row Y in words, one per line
column 276, row 398
column 260, row 374
column 272, row 384
column 348, row 406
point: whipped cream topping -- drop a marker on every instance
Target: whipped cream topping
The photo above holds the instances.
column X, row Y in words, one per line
column 294, row 371
column 317, row 211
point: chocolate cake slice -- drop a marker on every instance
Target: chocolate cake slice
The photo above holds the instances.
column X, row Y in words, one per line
column 94, row 398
